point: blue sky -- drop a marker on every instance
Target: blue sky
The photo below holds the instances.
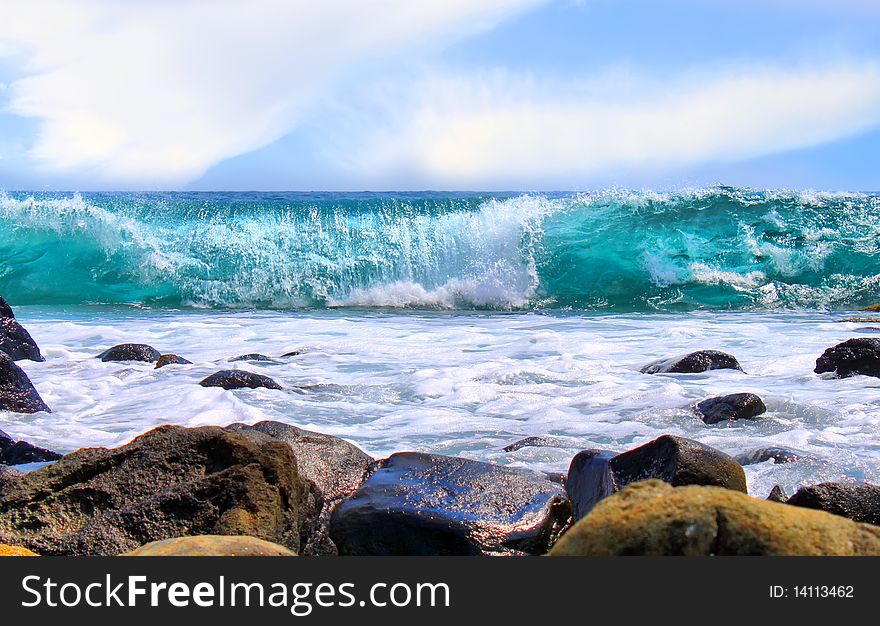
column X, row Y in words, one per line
column 439, row 94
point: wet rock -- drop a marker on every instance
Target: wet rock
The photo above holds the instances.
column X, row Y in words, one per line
column 873, row 307
column 777, row 494
column 169, row 482
column 425, row 504
column 860, row 503
column 679, row 461
column 5, row 309
column 131, row 352
column 850, row 358
column 537, row 442
column 17, row 394
column 693, row 363
column 17, row 342
column 239, row 379
column 291, row 353
column 653, row 518
column 335, row 466
column 171, row 359
column 17, row 452
column 254, row 358
column 589, row 480
column 734, row 406
column 15, row 551
column 762, row 455
column 211, row 545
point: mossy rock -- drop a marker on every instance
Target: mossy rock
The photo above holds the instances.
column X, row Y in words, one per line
column 15, row 551
column 654, row 518
column 211, row 545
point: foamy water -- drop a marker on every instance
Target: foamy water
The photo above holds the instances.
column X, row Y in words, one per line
column 462, row 384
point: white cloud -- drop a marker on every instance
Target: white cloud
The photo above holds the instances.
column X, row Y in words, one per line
column 503, row 129
column 156, row 92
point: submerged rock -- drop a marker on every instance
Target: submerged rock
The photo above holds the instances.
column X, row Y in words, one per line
column 537, row 442
column 860, row 503
column 762, row 455
column 239, row 379
column 589, row 480
column 17, row 452
column 850, row 358
column 653, row 518
column 17, row 394
column 131, row 352
column 291, row 353
column 693, row 363
column 211, row 545
column 169, row 482
column 17, row 342
column 425, row 504
column 171, row 359
column 734, row 406
column 335, row 466
column 679, row 461
column 256, row 358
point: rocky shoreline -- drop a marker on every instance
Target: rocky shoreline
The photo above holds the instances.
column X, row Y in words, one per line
column 275, row 489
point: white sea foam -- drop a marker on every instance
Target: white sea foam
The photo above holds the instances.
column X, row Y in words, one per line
column 462, row 384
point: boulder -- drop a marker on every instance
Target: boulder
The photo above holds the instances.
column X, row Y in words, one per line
column 777, row 494
column 169, row 482
column 171, row 359
column 15, row 551
column 762, row 455
column 211, row 545
column 860, row 503
column 17, row 452
column 17, row 394
column 5, row 309
column 426, row 504
column 336, row 467
column 654, row 518
column 239, row 379
column 734, row 406
column 253, row 358
column 589, row 480
column 693, row 363
column 537, row 442
column 850, row 358
column 131, row 352
column 17, row 342
column 679, row 461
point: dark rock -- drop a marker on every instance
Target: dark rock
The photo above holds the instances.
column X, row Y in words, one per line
column 425, row 504
column 256, row 358
column 693, row 363
column 291, row 353
column 5, row 309
column 679, row 461
column 239, row 379
column 733, row 406
column 852, row 357
column 17, row 394
column 336, row 467
column 762, row 455
column 537, row 442
column 17, row 452
column 777, row 494
column 131, row 352
column 860, row 503
column 169, row 482
column 17, row 342
column 7, row 476
column 589, row 480
column 171, row 359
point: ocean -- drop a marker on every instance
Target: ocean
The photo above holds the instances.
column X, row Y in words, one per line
column 454, row 323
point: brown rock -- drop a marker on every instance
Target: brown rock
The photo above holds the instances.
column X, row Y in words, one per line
column 653, row 518
column 211, row 545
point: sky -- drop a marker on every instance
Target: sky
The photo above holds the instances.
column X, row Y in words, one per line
column 562, row 95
